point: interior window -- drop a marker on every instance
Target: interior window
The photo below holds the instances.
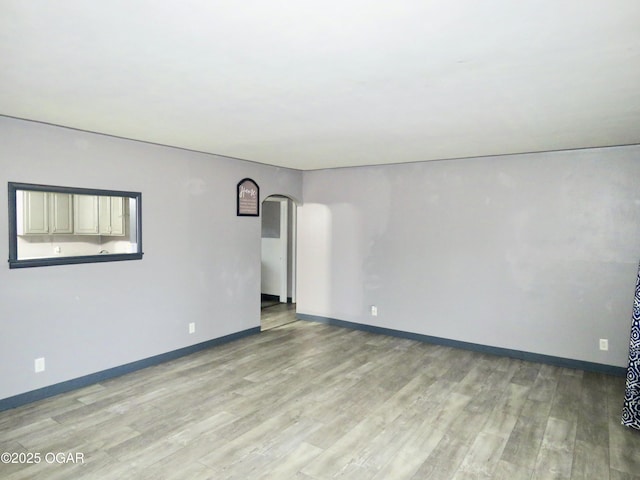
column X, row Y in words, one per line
column 53, row 225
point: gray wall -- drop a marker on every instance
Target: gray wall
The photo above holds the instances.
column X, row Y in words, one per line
column 532, row 252
column 201, row 262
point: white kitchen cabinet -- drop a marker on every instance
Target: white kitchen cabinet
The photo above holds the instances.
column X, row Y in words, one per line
column 60, row 213
column 85, row 215
column 111, row 216
column 44, row 213
column 35, row 213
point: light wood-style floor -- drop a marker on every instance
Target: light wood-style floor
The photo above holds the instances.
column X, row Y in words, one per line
column 310, row 401
column 276, row 315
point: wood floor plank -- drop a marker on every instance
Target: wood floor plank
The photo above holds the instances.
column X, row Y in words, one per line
column 553, row 464
column 292, row 463
column 509, row 471
column 483, row 456
column 617, row 475
column 347, row 450
column 444, row 460
column 624, row 448
column 524, row 442
column 412, row 452
column 590, row 462
column 559, row 435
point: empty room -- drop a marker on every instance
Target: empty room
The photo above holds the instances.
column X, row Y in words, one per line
column 440, row 198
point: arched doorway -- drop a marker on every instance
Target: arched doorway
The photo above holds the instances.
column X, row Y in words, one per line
column 278, row 265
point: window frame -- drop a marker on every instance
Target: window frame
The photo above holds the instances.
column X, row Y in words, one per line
column 15, row 262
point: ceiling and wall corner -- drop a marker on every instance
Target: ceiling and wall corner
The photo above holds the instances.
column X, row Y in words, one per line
column 312, row 85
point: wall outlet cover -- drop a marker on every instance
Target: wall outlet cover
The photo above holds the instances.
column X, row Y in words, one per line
column 38, row 365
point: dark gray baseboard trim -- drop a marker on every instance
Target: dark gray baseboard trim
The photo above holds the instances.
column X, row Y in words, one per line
column 476, row 347
column 73, row 384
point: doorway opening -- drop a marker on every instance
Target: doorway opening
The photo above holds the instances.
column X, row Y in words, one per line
column 278, row 265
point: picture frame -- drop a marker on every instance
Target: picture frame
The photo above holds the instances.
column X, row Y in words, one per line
column 247, row 198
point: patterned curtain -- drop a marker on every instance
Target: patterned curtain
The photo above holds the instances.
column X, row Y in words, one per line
column 631, row 409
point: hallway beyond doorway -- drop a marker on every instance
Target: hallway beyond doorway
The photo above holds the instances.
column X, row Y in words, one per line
column 277, row 315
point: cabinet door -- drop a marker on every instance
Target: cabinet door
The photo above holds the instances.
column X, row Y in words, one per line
column 36, row 213
column 85, row 213
column 61, row 216
column 104, row 215
column 111, row 216
column 117, row 216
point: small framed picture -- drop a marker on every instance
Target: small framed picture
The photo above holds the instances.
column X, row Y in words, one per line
column 248, row 198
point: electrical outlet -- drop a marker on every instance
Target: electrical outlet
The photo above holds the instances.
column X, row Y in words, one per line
column 38, row 365
column 192, row 327
column 374, row 311
column 604, row 344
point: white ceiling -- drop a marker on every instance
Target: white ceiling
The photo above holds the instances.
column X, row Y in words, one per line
column 313, row 84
